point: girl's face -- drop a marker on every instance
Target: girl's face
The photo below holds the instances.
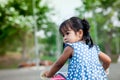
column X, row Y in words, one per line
column 70, row 36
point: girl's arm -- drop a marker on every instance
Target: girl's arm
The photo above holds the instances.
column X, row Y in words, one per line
column 106, row 60
column 60, row 62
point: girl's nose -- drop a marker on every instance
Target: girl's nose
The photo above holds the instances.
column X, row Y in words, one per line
column 64, row 39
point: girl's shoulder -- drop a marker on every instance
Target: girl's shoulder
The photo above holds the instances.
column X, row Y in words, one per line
column 97, row 48
column 75, row 44
column 68, row 44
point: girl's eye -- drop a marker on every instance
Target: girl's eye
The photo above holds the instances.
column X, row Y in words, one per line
column 67, row 33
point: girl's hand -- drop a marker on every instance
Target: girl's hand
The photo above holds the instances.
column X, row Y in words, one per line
column 43, row 75
column 107, row 71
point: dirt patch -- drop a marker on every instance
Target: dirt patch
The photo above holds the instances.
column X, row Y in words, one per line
column 9, row 61
column 15, row 61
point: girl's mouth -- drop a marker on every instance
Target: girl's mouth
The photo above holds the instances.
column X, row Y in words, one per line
column 66, row 41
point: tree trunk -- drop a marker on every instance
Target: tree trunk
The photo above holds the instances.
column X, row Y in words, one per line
column 24, row 48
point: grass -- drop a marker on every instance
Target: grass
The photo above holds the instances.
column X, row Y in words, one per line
column 12, row 64
column 51, row 58
column 11, row 61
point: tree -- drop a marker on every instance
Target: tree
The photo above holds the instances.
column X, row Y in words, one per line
column 16, row 23
column 102, row 13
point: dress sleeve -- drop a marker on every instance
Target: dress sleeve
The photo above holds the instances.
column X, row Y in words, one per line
column 98, row 49
column 68, row 44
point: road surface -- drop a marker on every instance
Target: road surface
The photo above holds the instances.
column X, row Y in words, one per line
column 34, row 73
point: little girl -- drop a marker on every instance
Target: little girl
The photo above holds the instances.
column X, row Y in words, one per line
column 86, row 61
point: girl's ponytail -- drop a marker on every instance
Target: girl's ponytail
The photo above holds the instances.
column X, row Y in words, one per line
column 86, row 35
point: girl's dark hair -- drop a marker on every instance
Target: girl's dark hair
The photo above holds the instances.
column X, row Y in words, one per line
column 76, row 24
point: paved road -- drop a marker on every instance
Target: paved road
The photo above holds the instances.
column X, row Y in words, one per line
column 114, row 71
column 34, row 73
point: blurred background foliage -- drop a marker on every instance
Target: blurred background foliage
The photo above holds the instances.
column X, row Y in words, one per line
column 104, row 17
column 17, row 30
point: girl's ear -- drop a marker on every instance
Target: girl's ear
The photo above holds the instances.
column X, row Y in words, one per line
column 80, row 32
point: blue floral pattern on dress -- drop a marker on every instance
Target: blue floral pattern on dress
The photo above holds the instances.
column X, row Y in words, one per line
column 84, row 63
